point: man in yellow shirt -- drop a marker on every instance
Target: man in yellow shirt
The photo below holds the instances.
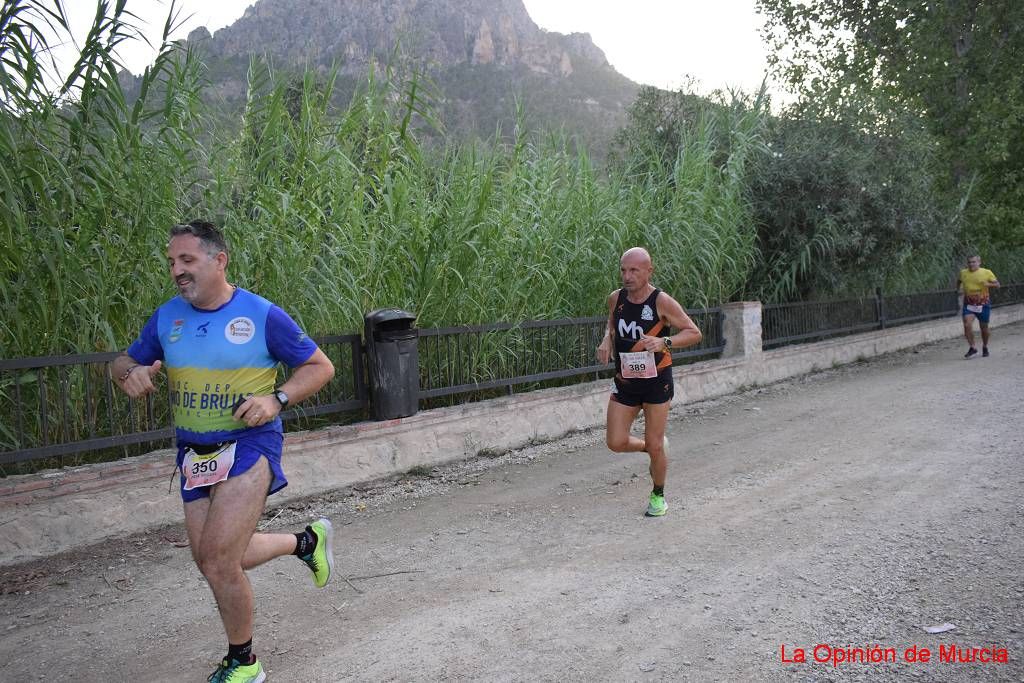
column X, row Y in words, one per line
column 974, row 283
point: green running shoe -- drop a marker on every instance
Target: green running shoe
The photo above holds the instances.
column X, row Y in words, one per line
column 235, row 672
column 656, row 506
column 321, row 560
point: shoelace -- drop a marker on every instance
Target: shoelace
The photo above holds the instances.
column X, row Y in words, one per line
column 223, row 672
column 218, row 675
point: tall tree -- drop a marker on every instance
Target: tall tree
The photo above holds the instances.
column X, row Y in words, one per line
column 953, row 63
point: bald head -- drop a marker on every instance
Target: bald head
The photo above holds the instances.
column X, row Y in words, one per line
column 636, row 255
column 636, row 270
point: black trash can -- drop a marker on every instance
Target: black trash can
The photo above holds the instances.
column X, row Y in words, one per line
column 394, row 366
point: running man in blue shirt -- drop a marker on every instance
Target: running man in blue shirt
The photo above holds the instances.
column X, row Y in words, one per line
column 221, row 346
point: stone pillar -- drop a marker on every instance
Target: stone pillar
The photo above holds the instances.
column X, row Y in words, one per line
column 741, row 327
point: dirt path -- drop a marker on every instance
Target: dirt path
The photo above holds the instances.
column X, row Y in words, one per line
column 851, row 508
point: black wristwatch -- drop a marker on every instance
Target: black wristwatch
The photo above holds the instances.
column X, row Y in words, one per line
column 282, row 398
column 668, row 343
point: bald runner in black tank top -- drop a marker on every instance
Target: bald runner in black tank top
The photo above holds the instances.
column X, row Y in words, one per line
column 639, row 338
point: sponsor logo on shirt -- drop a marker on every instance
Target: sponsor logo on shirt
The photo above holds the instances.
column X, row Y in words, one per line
column 630, row 331
column 239, row 330
column 647, row 313
column 176, row 330
column 203, row 329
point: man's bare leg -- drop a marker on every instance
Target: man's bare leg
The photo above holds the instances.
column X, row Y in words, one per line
column 969, row 330
column 220, row 530
column 619, row 422
column 655, row 422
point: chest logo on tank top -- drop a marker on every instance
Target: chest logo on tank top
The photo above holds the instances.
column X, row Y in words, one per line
column 647, row 313
column 631, row 330
column 240, row 330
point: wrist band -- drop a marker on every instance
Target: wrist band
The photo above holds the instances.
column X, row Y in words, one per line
column 127, row 372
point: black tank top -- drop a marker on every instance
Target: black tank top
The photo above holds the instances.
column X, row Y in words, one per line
column 633, row 321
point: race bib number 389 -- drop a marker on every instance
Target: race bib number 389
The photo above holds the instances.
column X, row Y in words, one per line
column 207, row 469
column 638, row 365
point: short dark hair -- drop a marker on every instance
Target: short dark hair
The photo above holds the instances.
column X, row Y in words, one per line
column 208, row 234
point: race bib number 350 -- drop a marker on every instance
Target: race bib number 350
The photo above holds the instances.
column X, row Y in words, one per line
column 638, row 365
column 207, row 469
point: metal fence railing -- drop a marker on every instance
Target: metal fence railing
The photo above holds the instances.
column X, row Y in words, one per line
column 469, row 359
column 902, row 309
column 1007, row 294
column 57, row 411
column 813, row 320
column 55, row 408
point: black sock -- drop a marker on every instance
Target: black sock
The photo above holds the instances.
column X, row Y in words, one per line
column 241, row 653
column 659, row 490
column 305, row 542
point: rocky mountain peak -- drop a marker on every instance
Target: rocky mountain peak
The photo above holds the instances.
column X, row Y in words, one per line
column 485, row 56
column 443, row 32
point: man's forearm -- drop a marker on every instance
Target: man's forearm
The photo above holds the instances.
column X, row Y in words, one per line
column 686, row 338
column 307, row 380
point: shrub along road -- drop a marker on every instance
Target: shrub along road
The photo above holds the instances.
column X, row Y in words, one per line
column 835, row 513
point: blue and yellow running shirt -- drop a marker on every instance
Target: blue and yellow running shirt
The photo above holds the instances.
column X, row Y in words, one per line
column 214, row 358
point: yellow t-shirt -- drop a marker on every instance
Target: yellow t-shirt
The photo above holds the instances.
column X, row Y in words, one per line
column 976, row 284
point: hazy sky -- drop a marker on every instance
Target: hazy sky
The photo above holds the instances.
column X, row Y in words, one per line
column 658, row 42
